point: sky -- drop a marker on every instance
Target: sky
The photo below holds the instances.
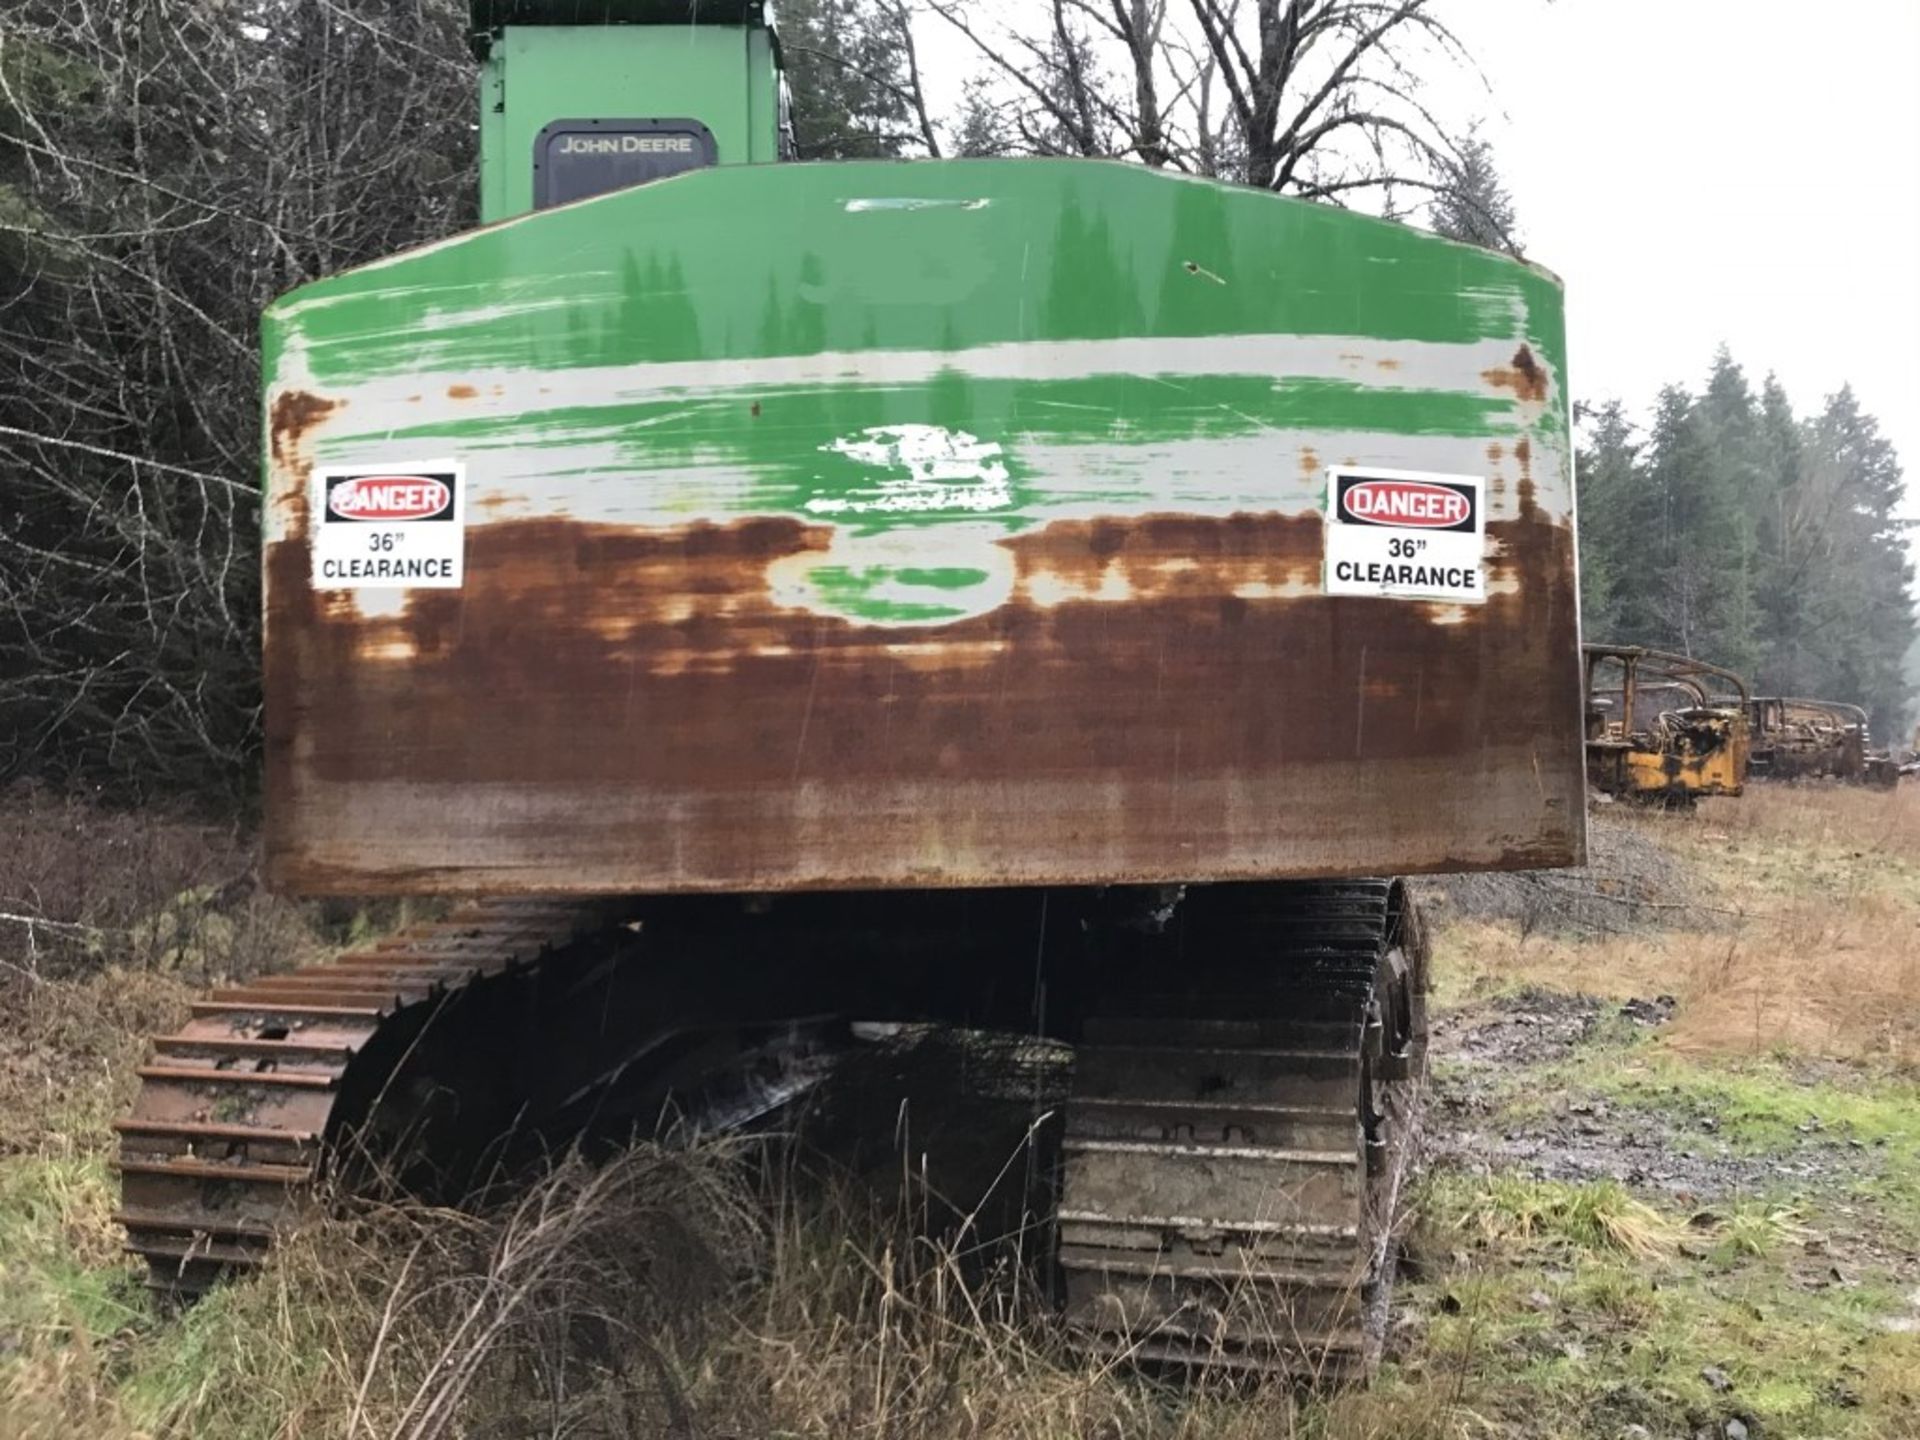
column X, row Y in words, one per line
column 1700, row 171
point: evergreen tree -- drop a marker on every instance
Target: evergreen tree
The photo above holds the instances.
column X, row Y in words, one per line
column 981, row 127
column 1665, row 611
column 1907, row 731
column 1782, row 551
column 1859, row 616
column 1473, row 204
column 847, row 70
column 1743, row 536
column 1610, row 487
column 1731, row 481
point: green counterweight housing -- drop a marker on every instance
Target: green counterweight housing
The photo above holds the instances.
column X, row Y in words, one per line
column 905, row 524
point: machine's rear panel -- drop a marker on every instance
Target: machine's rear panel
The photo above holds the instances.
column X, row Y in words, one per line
column 947, row 524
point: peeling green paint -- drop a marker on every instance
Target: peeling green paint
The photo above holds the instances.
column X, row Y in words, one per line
column 950, row 577
column 1058, row 250
column 946, row 353
column 861, row 592
column 1154, row 408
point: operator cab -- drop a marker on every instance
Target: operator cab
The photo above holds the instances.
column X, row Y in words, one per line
column 572, row 107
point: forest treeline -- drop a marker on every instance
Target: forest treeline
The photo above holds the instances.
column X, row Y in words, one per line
column 1733, row 530
column 168, row 167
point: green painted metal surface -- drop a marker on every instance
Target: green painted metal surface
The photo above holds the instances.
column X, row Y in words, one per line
column 943, row 522
column 492, row 14
column 724, row 76
column 919, row 255
column 1125, row 286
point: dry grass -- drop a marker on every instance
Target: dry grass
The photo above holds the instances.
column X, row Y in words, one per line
column 1602, row 1216
column 83, row 887
column 1848, row 818
column 665, row 1293
column 1806, row 936
column 645, row 1297
column 67, row 1052
column 110, row 921
column 1837, row 976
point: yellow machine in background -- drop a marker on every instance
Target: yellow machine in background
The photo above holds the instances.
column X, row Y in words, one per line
column 1664, row 727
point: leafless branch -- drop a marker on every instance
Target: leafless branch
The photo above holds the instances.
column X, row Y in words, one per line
column 171, row 167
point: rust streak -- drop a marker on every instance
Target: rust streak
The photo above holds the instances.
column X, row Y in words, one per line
column 1522, row 375
column 295, row 412
column 294, row 415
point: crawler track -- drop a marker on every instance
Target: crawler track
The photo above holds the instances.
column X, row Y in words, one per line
column 1234, row 1148
column 239, row 1109
column 1239, row 1126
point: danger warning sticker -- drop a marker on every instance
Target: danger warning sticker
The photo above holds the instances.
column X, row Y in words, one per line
column 389, row 526
column 1406, row 535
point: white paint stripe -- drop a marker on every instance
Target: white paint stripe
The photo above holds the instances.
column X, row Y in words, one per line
column 599, row 480
column 1420, row 365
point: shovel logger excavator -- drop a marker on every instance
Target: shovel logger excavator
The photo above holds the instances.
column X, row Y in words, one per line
column 1052, row 595
column 1664, row 728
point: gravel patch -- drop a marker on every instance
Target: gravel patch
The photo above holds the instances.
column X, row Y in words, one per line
column 1629, row 883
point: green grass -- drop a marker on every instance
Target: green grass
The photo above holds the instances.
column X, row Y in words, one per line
column 1543, row 1310
column 1771, row 1105
column 85, row 1356
column 58, row 1278
column 1552, row 1309
column 1870, row 1123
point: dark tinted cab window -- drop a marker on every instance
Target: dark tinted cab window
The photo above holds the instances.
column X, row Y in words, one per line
column 573, row 159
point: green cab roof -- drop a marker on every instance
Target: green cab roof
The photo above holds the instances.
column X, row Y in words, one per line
column 491, row 14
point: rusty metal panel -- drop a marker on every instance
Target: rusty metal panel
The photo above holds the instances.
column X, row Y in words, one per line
column 954, row 523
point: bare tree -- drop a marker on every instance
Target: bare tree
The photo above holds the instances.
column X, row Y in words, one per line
column 1315, row 97
column 900, row 16
column 167, row 167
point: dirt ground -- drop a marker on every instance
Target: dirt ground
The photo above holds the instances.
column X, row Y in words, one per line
column 1672, row 1139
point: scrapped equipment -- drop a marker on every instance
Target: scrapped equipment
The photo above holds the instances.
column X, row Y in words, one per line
column 1035, row 594
column 1663, row 727
column 1799, row 739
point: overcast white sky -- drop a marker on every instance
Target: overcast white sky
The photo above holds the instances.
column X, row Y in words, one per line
column 1697, row 171
column 1708, row 170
